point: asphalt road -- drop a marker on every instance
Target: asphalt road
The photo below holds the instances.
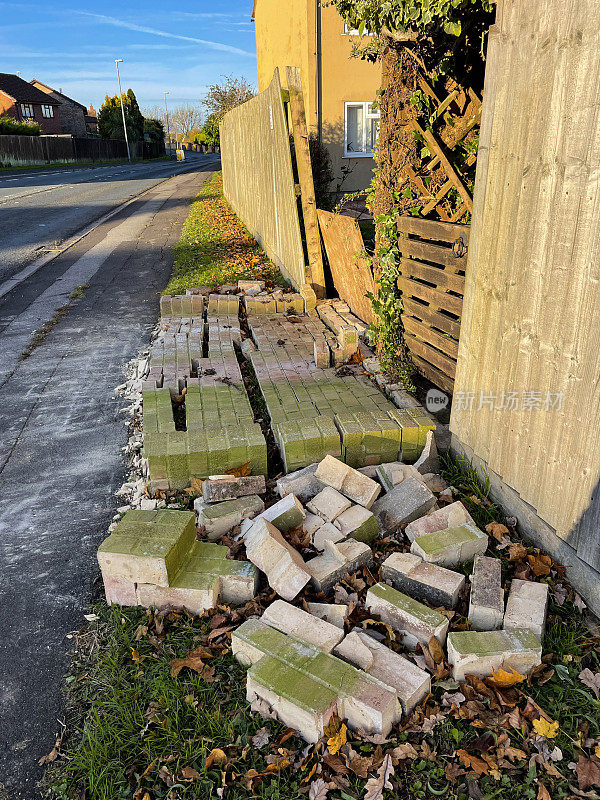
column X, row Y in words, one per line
column 61, row 434
column 42, row 208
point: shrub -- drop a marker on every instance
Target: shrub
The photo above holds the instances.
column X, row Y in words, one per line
column 10, row 126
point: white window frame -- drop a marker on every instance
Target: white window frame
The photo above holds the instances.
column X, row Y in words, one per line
column 348, row 31
column 25, row 107
column 47, row 112
column 367, row 115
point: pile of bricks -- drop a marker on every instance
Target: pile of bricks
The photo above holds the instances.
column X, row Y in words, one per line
column 347, row 328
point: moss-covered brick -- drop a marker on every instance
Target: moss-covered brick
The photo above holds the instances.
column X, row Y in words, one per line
column 425, row 423
column 177, row 460
column 411, row 449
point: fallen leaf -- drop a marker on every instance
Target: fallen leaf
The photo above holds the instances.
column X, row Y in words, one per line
column 193, row 661
column 588, row 772
column 53, row 754
column 497, row 530
column 241, row 472
column 503, row 679
column 216, row 756
column 360, row 765
column 405, row 750
column 436, row 650
column 337, row 741
column 375, row 786
column 318, row 790
column 543, row 793
column 261, row 738
column 579, row 604
column 190, row 774
column 545, row 728
column 592, row 680
column 541, row 564
column 478, row 765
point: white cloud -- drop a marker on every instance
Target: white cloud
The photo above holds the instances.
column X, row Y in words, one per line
column 132, row 26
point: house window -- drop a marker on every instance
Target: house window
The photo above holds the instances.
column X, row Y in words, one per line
column 362, row 130
column 47, row 111
column 27, row 110
column 354, row 31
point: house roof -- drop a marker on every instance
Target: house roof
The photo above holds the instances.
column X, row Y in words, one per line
column 60, row 94
column 23, row 92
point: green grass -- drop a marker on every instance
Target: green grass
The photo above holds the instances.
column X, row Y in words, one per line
column 215, row 248
column 133, row 717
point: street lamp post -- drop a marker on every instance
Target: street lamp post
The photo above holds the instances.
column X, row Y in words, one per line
column 168, row 129
column 117, row 62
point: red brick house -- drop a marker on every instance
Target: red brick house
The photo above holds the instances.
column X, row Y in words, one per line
column 23, row 102
column 72, row 113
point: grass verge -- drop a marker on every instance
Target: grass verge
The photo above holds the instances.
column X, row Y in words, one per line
column 215, row 248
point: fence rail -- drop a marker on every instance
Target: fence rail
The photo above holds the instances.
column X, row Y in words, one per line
column 432, row 282
column 18, row 151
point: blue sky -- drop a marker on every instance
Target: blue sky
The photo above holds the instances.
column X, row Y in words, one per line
column 72, row 46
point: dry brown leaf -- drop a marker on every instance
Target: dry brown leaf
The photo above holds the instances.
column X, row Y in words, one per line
column 592, row 680
column 436, row 650
column 540, row 563
column 360, row 765
column 241, row 472
column 375, row 786
column 478, row 765
column 543, row 793
column 318, row 790
column 588, row 772
column 194, row 661
column 337, row 741
column 216, row 756
column 53, row 754
column 497, row 530
column 517, row 552
column 189, row 774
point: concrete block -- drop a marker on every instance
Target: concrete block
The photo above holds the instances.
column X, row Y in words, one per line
column 410, row 683
column 289, row 619
column 483, row 653
column 196, row 596
column 429, row 460
column 119, row 591
column 284, row 567
column 326, row 533
column 309, row 297
column 404, row 503
column 148, row 546
column 330, row 612
column 302, row 483
column 450, row 516
column 286, row 514
column 359, row 523
column 312, row 523
column 227, row 487
column 392, row 474
column 322, row 354
column 328, row 504
column 328, row 569
column 221, row 518
column 486, row 603
column 527, row 606
column 413, row 576
column 451, row 547
column 415, row 621
column 251, row 288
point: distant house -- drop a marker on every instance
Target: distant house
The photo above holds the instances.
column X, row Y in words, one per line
column 339, row 91
column 91, row 120
column 23, row 102
column 72, row 113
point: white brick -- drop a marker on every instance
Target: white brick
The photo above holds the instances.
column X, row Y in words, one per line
column 483, row 653
column 415, row 621
column 394, row 472
column 527, row 606
column 338, row 559
column 359, row 523
column 284, row 567
column 285, row 514
column 218, row 488
column 429, row 460
column 486, row 604
column 331, row 612
column 312, row 523
column 405, row 502
column 350, row 482
column 448, row 517
column 196, row 601
column 328, row 504
column 326, row 533
column 289, row 619
column 410, row 574
column 220, row 518
column 451, row 547
column 410, row 683
column 302, row 483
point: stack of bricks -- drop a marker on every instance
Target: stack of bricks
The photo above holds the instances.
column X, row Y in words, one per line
column 186, row 305
column 152, row 558
column 347, row 328
column 277, row 303
column 220, row 433
column 315, row 412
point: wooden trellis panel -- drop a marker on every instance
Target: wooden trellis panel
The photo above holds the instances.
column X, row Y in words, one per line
column 432, row 281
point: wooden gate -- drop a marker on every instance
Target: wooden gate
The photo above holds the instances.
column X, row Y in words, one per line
column 432, row 282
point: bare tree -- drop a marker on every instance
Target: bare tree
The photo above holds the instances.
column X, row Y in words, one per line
column 184, row 120
column 231, row 92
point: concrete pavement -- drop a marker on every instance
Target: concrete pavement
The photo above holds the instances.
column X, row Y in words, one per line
column 43, row 208
column 60, row 459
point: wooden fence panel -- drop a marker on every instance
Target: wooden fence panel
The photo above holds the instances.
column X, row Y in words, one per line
column 531, row 320
column 350, row 266
column 432, row 281
column 258, row 179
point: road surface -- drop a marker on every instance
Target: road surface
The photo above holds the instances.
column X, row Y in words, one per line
column 42, row 208
column 61, row 430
